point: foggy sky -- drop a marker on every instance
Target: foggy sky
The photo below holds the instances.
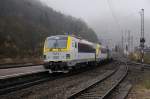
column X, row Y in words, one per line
column 107, row 17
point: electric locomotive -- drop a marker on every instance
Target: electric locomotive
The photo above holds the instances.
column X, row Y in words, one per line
column 64, row 52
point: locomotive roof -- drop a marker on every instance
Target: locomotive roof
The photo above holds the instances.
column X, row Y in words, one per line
column 81, row 39
column 58, row 36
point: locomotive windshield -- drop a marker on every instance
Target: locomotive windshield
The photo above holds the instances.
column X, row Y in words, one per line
column 57, row 42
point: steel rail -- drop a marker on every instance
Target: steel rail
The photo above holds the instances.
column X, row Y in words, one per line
column 108, row 92
column 14, row 84
column 114, row 86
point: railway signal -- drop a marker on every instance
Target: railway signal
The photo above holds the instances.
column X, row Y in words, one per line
column 142, row 39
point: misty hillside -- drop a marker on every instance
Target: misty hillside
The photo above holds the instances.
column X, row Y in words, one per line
column 24, row 24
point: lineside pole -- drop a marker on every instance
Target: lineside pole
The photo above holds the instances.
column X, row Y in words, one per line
column 142, row 39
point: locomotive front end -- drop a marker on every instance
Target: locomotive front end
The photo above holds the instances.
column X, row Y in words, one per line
column 57, row 53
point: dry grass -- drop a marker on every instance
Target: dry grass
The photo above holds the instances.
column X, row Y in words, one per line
column 146, row 81
column 132, row 57
column 135, row 57
column 141, row 89
column 147, row 58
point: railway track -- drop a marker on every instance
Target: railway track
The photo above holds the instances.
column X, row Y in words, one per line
column 108, row 81
column 21, row 76
column 14, row 84
column 10, row 83
column 143, row 66
column 129, row 62
column 20, row 82
column 103, row 88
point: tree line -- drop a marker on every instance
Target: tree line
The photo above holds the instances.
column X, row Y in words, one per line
column 24, row 25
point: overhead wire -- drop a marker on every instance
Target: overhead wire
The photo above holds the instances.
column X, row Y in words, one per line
column 113, row 15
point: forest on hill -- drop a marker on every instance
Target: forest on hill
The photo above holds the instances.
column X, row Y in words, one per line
column 24, row 25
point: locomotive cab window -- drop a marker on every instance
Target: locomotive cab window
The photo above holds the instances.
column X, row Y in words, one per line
column 60, row 42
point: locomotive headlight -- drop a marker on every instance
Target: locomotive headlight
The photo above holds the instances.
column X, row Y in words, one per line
column 67, row 56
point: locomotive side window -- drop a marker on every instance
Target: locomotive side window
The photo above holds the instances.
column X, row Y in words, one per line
column 84, row 48
column 103, row 50
column 75, row 44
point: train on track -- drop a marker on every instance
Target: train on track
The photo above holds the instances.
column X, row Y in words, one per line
column 63, row 53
